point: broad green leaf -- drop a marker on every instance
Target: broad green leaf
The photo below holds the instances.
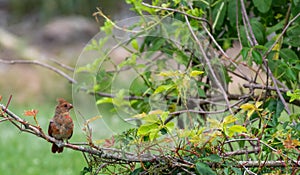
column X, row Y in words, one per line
column 293, row 36
column 204, row 169
column 262, row 5
column 146, row 129
column 164, row 116
column 245, row 52
column 258, row 31
column 151, row 118
column 170, row 126
column 154, row 133
column 288, row 54
column 201, row 92
column 231, row 13
column 291, row 75
column 276, row 107
column 157, row 43
column 213, row 158
column 257, row 57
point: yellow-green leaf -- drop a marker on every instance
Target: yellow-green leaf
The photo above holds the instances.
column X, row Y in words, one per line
column 135, row 44
column 168, row 73
column 229, row 119
column 146, row 129
column 195, row 73
column 170, row 126
column 163, row 88
column 236, row 129
column 214, row 123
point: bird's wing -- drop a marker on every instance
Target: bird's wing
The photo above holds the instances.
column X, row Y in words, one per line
column 50, row 131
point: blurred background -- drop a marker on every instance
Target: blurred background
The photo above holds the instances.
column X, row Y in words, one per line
column 45, row 31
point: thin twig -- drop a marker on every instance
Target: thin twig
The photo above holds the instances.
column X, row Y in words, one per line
column 247, row 23
column 210, row 68
column 61, row 64
column 36, row 62
column 259, row 86
column 269, row 70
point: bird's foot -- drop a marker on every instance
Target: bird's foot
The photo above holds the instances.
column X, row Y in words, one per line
column 60, row 143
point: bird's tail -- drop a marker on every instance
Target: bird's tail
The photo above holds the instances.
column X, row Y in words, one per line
column 57, row 149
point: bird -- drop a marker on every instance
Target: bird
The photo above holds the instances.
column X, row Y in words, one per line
column 61, row 125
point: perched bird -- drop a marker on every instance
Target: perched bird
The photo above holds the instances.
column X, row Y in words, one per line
column 61, row 125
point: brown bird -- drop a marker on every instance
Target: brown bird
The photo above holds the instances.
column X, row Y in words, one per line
column 61, row 125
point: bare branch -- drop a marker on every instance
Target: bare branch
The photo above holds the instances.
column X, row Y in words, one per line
column 212, row 72
column 36, row 62
column 246, row 21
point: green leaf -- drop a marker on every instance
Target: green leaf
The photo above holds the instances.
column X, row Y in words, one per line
column 195, row 73
column 153, row 134
column 229, row 119
column 262, row 5
column 257, row 57
column 213, row 158
column 107, row 27
column 291, row 74
column 275, row 106
column 201, row 92
column 204, row 169
column 245, row 52
column 151, row 118
column 157, row 44
column 170, row 126
column 135, row 44
column 258, row 31
column 235, row 129
column 293, row 36
column 163, row 88
column 294, row 96
column 146, row 129
column 288, row 54
column 164, row 116
column 104, row 100
column 231, row 13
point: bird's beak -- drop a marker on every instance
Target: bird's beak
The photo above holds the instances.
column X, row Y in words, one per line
column 71, row 106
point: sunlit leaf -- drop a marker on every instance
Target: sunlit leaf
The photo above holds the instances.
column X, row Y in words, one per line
column 236, row 129
column 146, row 129
column 163, row 88
column 164, row 116
column 229, row 119
column 214, row 123
column 195, row 73
column 294, row 95
column 135, row 44
column 170, row 126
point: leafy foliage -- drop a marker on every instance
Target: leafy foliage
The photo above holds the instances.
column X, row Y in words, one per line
column 180, row 75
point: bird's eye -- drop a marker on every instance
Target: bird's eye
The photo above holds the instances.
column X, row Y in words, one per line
column 66, row 105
